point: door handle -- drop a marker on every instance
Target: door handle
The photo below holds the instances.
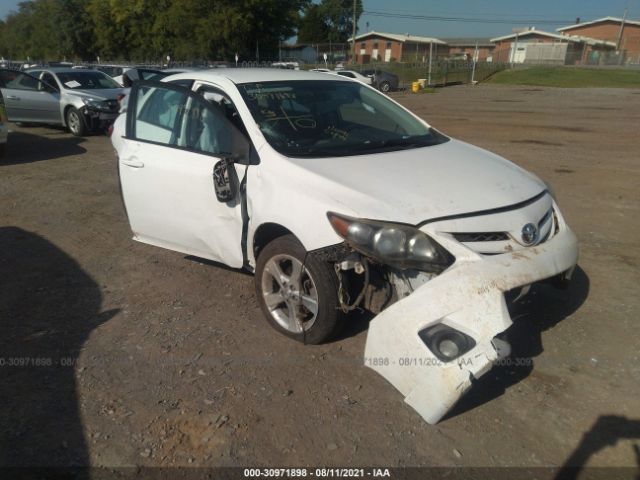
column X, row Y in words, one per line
column 133, row 162
column 12, row 97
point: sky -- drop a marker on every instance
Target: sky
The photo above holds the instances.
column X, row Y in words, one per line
column 517, row 13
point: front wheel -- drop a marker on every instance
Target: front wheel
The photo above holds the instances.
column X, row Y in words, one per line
column 75, row 122
column 298, row 294
column 385, row 87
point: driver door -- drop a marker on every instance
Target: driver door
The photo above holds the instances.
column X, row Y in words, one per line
column 174, row 139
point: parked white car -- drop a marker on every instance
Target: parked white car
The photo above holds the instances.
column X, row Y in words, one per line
column 336, row 197
column 352, row 75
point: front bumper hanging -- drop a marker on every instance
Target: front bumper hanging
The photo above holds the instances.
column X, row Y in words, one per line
column 468, row 297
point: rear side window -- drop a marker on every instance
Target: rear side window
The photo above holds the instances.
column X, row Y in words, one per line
column 158, row 112
column 17, row 80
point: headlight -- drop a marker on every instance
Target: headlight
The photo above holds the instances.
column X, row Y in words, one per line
column 96, row 104
column 394, row 244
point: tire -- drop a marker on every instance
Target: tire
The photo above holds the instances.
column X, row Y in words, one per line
column 385, row 87
column 75, row 122
column 287, row 307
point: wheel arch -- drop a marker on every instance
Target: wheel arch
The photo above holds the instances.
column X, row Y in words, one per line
column 266, row 233
column 64, row 114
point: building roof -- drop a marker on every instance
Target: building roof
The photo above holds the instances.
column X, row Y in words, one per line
column 557, row 36
column 406, row 37
column 533, row 31
column 468, row 42
column 599, row 20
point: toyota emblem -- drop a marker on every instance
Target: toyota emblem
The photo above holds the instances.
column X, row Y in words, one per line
column 529, row 234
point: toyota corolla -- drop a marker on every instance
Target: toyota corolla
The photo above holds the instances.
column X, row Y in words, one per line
column 336, row 197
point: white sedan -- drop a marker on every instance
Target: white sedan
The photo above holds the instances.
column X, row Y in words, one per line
column 352, row 75
column 336, row 197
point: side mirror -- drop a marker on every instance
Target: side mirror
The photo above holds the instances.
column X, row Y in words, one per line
column 225, row 180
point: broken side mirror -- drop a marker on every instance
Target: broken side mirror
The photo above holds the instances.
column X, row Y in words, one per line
column 225, row 180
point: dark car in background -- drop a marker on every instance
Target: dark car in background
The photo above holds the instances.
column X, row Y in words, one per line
column 382, row 80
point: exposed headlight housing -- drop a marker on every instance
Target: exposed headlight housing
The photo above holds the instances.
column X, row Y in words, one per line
column 394, row 244
column 94, row 104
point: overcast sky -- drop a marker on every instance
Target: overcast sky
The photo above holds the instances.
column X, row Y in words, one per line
column 519, row 13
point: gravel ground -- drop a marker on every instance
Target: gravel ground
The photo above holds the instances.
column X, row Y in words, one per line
column 140, row 356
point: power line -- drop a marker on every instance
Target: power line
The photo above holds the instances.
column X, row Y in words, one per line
column 468, row 13
column 466, row 19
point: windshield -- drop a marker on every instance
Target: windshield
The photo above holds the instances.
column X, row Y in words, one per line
column 86, row 80
column 326, row 118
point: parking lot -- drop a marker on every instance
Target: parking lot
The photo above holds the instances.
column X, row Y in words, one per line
column 151, row 358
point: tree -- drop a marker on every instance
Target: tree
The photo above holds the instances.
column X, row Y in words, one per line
column 313, row 26
column 339, row 18
column 140, row 30
column 328, row 21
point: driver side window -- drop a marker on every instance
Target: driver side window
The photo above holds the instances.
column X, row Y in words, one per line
column 174, row 117
column 48, row 79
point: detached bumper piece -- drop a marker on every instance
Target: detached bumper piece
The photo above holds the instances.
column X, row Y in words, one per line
column 432, row 343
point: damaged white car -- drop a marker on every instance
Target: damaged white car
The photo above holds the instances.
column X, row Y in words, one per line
column 338, row 198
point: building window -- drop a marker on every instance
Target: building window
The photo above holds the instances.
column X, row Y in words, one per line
column 388, row 44
column 363, row 45
column 375, row 44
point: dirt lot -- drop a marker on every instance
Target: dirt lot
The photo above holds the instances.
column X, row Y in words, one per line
column 151, row 358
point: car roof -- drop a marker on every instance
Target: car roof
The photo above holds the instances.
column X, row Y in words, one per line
column 60, row 69
column 252, row 75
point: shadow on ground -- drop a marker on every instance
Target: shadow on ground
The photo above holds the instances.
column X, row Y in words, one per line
column 543, row 308
column 26, row 147
column 605, row 432
column 48, row 307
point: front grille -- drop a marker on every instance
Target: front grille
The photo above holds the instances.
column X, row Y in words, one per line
column 481, row 237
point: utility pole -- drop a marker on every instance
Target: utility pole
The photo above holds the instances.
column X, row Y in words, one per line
column 619, row 42
column 353, row 37
column 624, row 18
column 515, row 51
column 475, row 59
column 430, row 56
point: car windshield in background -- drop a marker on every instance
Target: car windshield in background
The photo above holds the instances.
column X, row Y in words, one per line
column 326, row 118
column 153, row 75
column 86, row 80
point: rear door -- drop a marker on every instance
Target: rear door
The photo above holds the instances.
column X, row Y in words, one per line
column 27, row 99
column 174, row 139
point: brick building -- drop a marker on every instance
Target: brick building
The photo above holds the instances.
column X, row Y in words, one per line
column 610, row 29
column 538, row 46
column 459, row 47
column 388, row 47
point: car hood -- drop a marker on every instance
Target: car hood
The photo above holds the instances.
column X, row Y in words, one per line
column 415, row 185
column 98, row 94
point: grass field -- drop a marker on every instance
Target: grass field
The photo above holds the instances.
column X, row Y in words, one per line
column 568, row 77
